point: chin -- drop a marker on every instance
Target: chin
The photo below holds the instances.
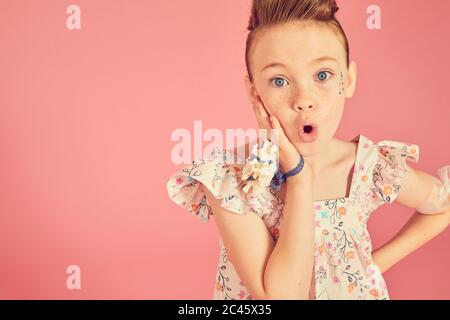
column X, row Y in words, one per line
column 309, row 148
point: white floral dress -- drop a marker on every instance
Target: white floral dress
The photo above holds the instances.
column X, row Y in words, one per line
column 343, row 266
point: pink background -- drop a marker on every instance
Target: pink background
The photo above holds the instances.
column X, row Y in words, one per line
column 85, row 123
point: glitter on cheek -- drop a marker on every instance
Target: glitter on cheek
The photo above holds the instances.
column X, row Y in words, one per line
column 341, row 83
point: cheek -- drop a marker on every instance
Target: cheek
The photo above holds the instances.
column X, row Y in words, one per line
column 330, row 94
column 287, row 121
column 333, row 90
column 275, row 105
column 334, row 114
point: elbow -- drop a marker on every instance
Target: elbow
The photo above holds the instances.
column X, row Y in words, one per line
column 445, row 219
column 446, row 215
column 441, row 219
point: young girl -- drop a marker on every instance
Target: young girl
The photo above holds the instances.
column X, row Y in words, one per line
column 307, row 239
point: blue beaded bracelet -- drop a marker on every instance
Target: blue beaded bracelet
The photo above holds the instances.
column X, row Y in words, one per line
column 280, row 177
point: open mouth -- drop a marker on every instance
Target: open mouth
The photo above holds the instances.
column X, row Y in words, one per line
column 308, row 132
column 308, row 128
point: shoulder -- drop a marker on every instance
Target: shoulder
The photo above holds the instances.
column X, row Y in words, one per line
column 393, row 179
column 391, row 173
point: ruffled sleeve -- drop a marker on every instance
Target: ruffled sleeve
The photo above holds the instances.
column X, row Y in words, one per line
column 390, row 167
column 221, row 174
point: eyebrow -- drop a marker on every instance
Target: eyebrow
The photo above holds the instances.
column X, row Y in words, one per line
column 315, row 61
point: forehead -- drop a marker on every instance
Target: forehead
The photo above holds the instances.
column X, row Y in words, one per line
column 297, row 44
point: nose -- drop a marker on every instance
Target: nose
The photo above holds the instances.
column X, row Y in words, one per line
column 303, row 102
column 305, row 107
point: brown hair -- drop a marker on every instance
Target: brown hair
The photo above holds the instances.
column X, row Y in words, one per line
column 272, row 12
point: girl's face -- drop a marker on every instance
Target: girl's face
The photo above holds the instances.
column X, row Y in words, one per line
column 300, row 75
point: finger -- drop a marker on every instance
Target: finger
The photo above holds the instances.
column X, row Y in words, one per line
column 278, row 130
column 276, row 123
column 275, row 134
column 283, row 139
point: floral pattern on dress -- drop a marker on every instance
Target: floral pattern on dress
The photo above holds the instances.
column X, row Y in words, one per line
column 391, row 168
column 343, row 265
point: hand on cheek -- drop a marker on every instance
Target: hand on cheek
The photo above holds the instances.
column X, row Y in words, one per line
column 289, row 157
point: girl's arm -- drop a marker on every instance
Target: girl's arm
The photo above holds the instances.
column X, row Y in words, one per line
column 281, row 270
column 420, row 228
column 288, row 272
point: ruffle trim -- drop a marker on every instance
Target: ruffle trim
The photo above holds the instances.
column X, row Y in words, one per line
column 221, row 174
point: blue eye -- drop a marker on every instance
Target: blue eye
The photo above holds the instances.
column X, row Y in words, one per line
column 322, row 75
column 278, row 80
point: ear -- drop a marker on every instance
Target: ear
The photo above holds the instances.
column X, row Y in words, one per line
column 351, row 85
column 251, row 90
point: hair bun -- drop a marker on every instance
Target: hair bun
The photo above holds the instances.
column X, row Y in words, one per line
column 251, row 24
column 334, row 7
column 263, row 11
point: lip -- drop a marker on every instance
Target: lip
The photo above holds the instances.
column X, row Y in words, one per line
column 308, row 137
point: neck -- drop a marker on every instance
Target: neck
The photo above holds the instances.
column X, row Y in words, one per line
column 323, row 158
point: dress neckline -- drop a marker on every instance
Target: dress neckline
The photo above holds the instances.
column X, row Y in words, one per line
column 358, row 138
